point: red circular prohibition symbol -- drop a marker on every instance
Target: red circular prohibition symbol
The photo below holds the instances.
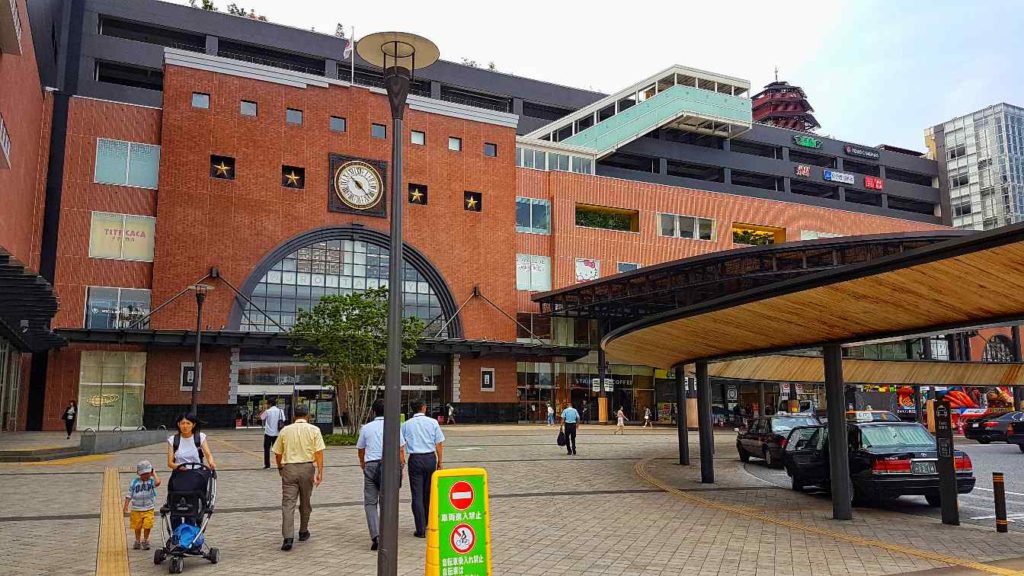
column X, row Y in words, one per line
column 463, row 538
column 461, row 495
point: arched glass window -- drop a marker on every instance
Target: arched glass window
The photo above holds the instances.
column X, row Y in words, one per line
column 998, row 350
column 301, row 278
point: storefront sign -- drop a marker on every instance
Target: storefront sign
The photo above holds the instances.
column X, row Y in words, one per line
column 459, row 527
column 861, row 152
column 487, row 379
column 609, row 383
column 803, row 170
column 841, row 177
column 873, row 183
column 807, row 141
column 595, row 385
column 732, row 393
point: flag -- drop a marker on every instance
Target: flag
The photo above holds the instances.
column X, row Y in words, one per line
column 349, row 44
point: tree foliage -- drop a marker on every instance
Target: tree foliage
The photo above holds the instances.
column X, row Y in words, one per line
column 753, row 237
column 345, row 335
column 236, row 10
column 339, row 31
column 207, row 5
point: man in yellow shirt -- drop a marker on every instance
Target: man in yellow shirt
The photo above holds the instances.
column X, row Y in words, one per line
column 296, row 449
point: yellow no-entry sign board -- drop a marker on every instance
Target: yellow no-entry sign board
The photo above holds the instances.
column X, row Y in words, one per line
column 459, row 527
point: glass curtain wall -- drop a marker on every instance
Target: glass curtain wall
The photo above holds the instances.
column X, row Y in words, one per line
column 111, row 389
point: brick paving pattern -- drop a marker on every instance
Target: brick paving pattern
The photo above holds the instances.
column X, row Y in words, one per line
column 552, row 514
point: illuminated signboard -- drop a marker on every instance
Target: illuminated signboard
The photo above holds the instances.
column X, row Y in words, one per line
column 807, row 141
column 873, row 183
column 862, row 152
column 840, row 177
column 803, row 170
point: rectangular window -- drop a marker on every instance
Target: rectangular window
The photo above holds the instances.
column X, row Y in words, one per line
column 607, row 218
column 689, row 227
column 338, row 124
column 127, row 163
column 293, row 116
column 959, row 179
column 378, row 131
column 116, row 307
column 121, row 236
column 533, row 216
column 248, row 108
column 201, row 100
column 418, row 138
column 111, row 386
column 533, row 273
column 627, row 267
column 454, row 144
column 490, row 149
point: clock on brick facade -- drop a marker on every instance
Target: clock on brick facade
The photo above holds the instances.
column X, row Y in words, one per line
column 357, row 186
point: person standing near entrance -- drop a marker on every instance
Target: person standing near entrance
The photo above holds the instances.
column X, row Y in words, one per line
column 271, row 418
column 299, row 451
column 451, row 414
column 570, row 421
column 620, row 422
column 551, row 415
column 70, row 413
column 647, row 417
column 425, row 442
column 370, row 448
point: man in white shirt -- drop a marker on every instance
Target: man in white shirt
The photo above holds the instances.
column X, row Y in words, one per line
column 425, row 443
column 370, row 448
column 272, row 418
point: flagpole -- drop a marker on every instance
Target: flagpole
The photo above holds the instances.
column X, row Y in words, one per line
column 352, row 78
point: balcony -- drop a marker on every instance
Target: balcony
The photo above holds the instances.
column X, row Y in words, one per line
column 10, row 27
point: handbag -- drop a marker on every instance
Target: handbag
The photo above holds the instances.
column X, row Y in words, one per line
column 561, row 437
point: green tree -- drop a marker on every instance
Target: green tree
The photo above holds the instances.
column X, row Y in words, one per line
column 346, row 337
column 207, row 5
column 752, row 237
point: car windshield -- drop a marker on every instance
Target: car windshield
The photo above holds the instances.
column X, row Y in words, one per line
column 780, row 425
column 895, row 436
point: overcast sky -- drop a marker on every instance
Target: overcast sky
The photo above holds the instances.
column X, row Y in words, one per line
column 874, row 71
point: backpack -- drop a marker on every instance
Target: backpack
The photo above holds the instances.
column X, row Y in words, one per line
column 198, row 441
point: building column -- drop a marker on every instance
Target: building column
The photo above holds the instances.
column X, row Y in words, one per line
column 727, row 176
column 787, row 185
column 842, row 194
column 435, row 89
column 1018, row 392
column 704, row 430
column 602, row 373
column 785, row 154
column 663, row 166
column 682, row 432
column 517, row 106
column 727, row 144
column 839, row 164
column 885, row 200
column 838, row 448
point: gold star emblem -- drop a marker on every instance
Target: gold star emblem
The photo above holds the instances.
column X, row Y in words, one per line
column 293, row 178
column 416, row 195
column 222, row 168
column 471, row 203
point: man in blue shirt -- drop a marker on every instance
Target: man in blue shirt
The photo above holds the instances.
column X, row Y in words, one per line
column 570, row 420
column 370, row 448
column 425, row 444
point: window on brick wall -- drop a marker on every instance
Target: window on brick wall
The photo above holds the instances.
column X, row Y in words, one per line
column 533, row 273
column 116, row 307
column 127, row 163
column 121, row 236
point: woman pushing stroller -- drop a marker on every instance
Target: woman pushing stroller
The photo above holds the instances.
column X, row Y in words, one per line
column 189, row 445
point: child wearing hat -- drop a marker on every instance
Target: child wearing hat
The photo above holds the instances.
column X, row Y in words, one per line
column 141, row 500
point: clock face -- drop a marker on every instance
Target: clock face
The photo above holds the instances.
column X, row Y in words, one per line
column 358, row 184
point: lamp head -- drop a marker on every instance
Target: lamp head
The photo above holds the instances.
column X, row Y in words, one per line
column 402, row 50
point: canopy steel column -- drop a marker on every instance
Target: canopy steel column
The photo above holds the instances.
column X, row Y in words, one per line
column 1018, row 393
column 760, row 399
column 602, row 374
column 839, row 461
column 704, row 431
column 684, row 441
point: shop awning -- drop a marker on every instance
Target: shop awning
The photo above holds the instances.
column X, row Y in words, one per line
column 27, row 304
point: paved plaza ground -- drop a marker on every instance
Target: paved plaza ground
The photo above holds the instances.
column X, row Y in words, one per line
column 621, row 507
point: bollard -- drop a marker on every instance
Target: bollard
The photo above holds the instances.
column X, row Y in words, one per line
column 999, row 492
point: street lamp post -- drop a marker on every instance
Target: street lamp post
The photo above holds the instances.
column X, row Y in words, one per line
column 200, row 290
column 398, row 54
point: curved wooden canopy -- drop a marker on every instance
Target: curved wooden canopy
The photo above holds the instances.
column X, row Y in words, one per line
column 789, row 368
column 968, row 281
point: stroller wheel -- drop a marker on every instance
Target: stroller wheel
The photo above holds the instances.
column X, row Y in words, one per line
column 214, row 555
column 159, row 556
column 177, row 565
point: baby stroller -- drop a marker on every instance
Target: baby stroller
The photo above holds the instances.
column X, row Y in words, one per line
column 191, row 495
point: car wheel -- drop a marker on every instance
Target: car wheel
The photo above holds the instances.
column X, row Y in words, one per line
column 933, row 500
column 983, row 440
column 744, row 457
column 769, row 459
column 798, row 485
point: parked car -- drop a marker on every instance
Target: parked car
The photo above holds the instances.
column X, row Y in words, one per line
column 1015, row 434
column 887, row 460
column 766, row 436
column 992, row 427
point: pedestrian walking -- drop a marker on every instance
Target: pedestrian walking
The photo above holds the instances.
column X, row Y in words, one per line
column 425, row 443
column 140, row 501
column 370, row 448
column 570, row 422
column 188, row 445
column 451, row 414
column 272, row 418
column 70, row 413
column 620, row 422
column 647, row 417
column 673, row 412
column 551, row 415
column 299, row 451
